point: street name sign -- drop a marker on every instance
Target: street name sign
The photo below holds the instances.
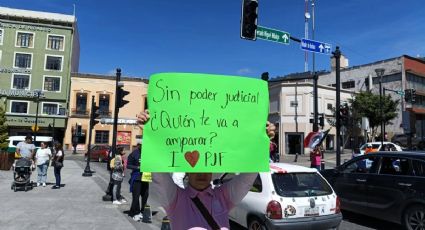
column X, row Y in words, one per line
column 273, row 35
column 315, row 46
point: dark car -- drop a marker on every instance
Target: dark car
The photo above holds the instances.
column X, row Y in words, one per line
column 99, row 153
column 385, row 185
column 401, row 140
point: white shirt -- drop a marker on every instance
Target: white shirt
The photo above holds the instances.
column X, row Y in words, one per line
column 43, row 155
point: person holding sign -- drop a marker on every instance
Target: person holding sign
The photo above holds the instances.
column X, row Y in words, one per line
column 199, row 205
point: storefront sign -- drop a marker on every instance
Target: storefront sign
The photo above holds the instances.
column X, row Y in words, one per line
column 29, row 121
column 110, row 121
column 6, row 70
column 123, row 138
column 19, row 93
column 24, row 27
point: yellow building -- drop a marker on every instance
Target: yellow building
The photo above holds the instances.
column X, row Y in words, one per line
column 86, row 86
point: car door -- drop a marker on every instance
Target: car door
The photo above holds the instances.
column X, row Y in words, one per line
column 390, row 187
column 351, row 183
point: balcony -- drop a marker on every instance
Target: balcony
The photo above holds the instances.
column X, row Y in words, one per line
column 80, row 112
column 105, row 113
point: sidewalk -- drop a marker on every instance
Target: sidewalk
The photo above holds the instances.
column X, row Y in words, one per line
column 329, row 158
column 77, row 205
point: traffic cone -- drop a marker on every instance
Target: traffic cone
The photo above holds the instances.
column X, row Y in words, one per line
column 147, row 214
column 165, row 224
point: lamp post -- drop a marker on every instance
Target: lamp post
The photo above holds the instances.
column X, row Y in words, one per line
column 39, row 93
column 380, row 73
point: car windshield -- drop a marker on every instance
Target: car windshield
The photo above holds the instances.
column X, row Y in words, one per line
column 300, row 185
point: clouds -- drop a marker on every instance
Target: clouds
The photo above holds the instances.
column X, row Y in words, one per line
column 244, row 71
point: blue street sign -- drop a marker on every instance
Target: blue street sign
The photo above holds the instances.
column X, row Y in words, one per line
column 315, row 46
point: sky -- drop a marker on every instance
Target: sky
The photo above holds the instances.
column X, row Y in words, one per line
column 143, row 37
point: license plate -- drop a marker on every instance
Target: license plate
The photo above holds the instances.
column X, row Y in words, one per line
column 311, row 211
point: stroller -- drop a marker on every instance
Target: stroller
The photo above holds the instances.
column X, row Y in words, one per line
column 22, row 175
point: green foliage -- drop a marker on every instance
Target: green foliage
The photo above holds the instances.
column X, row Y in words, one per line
column 3, row 130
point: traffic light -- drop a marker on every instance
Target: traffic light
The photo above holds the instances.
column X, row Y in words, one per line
column 322, row 121
column 121, row 93
column 249, row 19
column 413, row 95
column 265, row 76
column 344, row 114
column 407, row 95
column 94, row 115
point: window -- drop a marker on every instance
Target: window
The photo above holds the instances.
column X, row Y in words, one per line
column 53, row 63
column 294, row 103
column 1, row 36
column 19, row 107
column 348, row 84
column 362, row 165
column 81, row 103
column 419, row 168
column 21, row 81
column 23, row 60
column 25, row 40
column 395, row 166
column 257, row 186
column 50, row 108
column 104, row 105
column 300, row 184
column 52, row 84
column 55, row 42
column 102, row 137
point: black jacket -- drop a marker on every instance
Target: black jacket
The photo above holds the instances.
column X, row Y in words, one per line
column 133, row 162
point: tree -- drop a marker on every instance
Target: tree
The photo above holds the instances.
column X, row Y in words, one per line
column 367, row 105
column 3, row 130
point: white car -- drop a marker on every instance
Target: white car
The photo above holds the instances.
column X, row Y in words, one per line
column 288, row 197
column 376, row 146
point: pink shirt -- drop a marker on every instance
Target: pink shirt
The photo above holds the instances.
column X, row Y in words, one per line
column 184, row 214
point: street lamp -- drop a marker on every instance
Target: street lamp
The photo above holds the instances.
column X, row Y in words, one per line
column 380, row 73
column 38, row 93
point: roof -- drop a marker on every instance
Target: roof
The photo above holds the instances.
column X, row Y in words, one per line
column 289, row 168
column 108, row 77
column 5, row 11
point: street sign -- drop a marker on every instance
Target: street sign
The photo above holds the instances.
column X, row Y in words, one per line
column 400, row 92
column 315, row 46
column 34, row 127
column 273, row 35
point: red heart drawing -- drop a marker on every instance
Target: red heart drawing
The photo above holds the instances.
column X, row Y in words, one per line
column 192, row 157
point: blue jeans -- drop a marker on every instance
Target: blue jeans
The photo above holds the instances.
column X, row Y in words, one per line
column 42, row 173
column 116, row 191
column 57, row 171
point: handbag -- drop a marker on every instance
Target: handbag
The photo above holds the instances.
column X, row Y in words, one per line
column 207, row 216
column 58, row 164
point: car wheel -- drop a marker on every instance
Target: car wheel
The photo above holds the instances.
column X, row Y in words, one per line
column 414, row 217
column 256, row 224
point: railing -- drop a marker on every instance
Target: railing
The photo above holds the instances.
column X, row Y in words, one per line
column 80, row 112
column 105, row 113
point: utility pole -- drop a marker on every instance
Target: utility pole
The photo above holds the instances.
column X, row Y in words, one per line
column 116, row 110
column 315, row 79
column 337, row 56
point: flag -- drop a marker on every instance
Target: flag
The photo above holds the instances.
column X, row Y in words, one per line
column 314, row 139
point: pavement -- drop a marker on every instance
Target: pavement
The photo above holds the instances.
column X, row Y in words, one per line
column 76, row 205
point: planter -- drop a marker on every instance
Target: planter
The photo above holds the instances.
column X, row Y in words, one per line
column 6, row 160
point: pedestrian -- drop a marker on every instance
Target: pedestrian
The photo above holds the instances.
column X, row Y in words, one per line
column 42, row 158
column 25, row 149
column 117, row 166
column 315, row 157
column 138, row 188
column 273, row 152
column 57, row 164
column 183, row 206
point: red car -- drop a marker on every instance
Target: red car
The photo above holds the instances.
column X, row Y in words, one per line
column 99, row 153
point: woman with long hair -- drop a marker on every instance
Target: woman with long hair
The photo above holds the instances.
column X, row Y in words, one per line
column 58, row 164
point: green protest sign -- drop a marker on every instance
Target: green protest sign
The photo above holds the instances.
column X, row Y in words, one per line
column 206, row 123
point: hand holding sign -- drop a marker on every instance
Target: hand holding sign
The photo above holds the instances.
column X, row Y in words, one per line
column 205, row 126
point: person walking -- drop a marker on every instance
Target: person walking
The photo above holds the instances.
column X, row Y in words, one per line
column 183, row 206
column 117, row 166
column 57, row 164
column 42, row 158
column 138, row 188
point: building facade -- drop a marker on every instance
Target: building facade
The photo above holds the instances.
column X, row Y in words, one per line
column 38, row 51
column 291, row 109
column 85, row 88
column 401, row 73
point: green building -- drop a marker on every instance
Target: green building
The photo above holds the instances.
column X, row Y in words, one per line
column 38, row 52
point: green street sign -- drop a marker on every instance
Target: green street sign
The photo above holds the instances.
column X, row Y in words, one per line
column 273, row 35
column 400, row 92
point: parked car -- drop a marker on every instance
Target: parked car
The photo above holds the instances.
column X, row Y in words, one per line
column 376, row 146
column 385, row 185
column 288, row 197
column 401, row 140
column 99, row 153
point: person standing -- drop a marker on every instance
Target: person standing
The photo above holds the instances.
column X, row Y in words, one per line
column 117, row 176
column 57, row 164
column 138, row 188
column 316, row 157
column 26, row 148
column 42, row 158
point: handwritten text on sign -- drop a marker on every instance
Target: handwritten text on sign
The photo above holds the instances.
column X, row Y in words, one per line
column 205, row 123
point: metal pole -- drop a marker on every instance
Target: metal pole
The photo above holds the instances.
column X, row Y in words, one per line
column 36, row 117
column 306, row 34
column 315, row 104
column 87, row 170
column 383, row 120
column 116, row 109
column 337, row 56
